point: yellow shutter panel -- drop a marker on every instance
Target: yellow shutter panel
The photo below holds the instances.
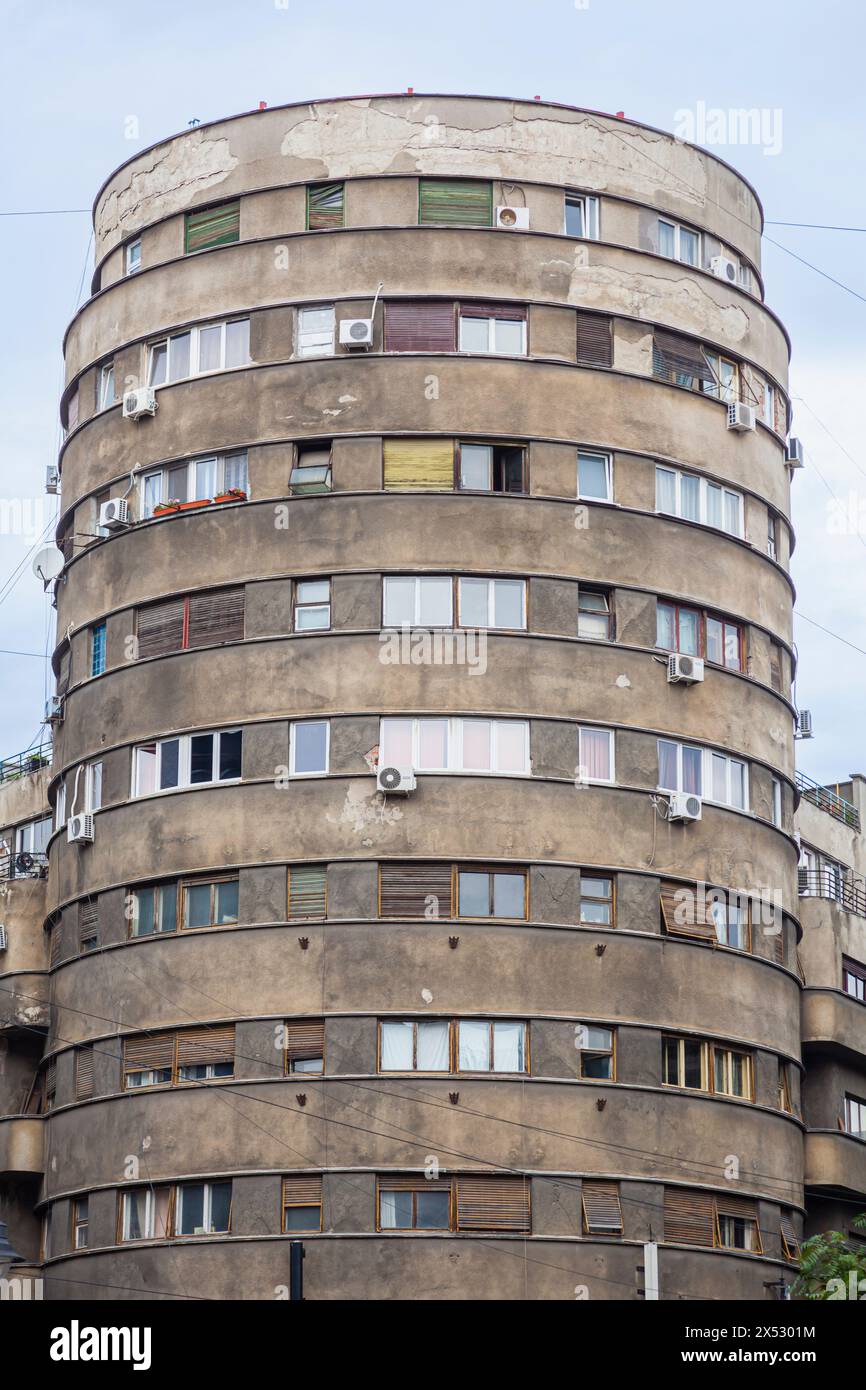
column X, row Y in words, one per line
column 425, row 465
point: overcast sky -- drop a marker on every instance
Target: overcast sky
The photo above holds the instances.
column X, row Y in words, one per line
column 73, row 75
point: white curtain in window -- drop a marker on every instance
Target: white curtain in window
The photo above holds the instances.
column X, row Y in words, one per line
column 474, row 1050
column 508, row 1047
column 433, row 1047
column 397, row 1043
column 595, row 753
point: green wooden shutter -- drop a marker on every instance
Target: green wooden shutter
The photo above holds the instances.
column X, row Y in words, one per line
column 455, row 202
column 326, row 205
column 213, row 227
column 308, row 892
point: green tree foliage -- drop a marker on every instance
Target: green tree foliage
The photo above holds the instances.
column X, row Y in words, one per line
column 832, row 1266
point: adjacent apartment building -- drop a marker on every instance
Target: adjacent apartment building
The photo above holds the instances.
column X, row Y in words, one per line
column 423, row 881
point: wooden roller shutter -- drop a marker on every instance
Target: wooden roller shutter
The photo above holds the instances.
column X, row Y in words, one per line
column 305, row 1039
column 160, row 627
column 673, row 356
column 679, row 915
column 477, row 309
column 215, row 226
column 50, row 1085
column 88, row 923
column 216, row 617
column 455, row 202
column 790, row 1243
column 493, row 1204
column 83, row 1073
column 63, row 672
column 302, row 1190
column 742, row 1208
column 423, row 465
column 308, row 892
column 602, row 1209
column 326, row 205
column 199, row 1047
column 55, row 943
column 779, row 947
column 412, row 1182
column 423, row 325
column 689, row 1217
column 594, row 340
column 404, row 889
column 148, row 1052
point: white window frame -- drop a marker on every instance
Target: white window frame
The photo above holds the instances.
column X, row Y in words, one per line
column 221, row 461
column 727, row 391
column 60, row 807
column 678, row 228
column 93, row 786
column 769, row 411
column 607, row 460
column 195, row 331
column 319, row 772
column 106, row 375
column 491, row 320
column 301, row 605
column 132, row 256
column 589, row 211
column 777, row 802
column 149, row 1232
column 707, row 756
column 611, row 743
column 704, row 485
column 454, row 745
column 184, row 762
column 417, row 581
column 315, row 342
column 491, row 601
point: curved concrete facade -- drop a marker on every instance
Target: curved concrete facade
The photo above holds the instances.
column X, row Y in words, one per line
column 612, row 991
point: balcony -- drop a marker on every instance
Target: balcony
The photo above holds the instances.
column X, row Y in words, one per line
column 847, row 890
column 23, row 864
column 21, row 1146
column 22, row 764
column 836, row 1161
column 827, row 800
column 835, row 1023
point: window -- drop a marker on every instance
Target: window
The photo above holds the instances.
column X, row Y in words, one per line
column 312, row 605
column 200, row 479
column 681, row 361
column 456, row 745
column 72, row 410
column 725, row 1221
column 88, row 925
column 702, row 772
column 302, row 1202
column 737, row 1232
column 326, row 206
column 145, row 1213
column 725, row 385
column 776, row 813
column 594, row 476
column 455, row 203
column 33, row 835
column 188, row 760
column 687, row 630
column 491, row 1046
column 414, row 1204
column 79, row 1223
column 423, row 325
column 208, row 903
column 417, row 601
column 596, row 901
column 492, row 328
column 132, row 256
column 97, row 649
column 593, row 614
column 84, row 1072
column 308, row 747
column 594, row 340
column 93, row 786
column 491, row 893
column 304, row 1046
column 697, row 499
column 678, row 242
column 470, row 1203
column 595, row 755
column 491, row 468
column 312, row 470
column 152, row 910
column 729, row 914
column 695, row 1065
column 596, row 1046
column 854, row 979
column 790, row 1243
column 601, row 1208
column 210, row 348
column 308, row 891
column 492, row 603
column 855, row 1116
column 315, row 336
column 415, row 1045
column 581, row 216
column 105, row 389
column 60, row 807
column 416, row 890
column 187, row 1054
column 732, row 1073
column 418, row 465
column 200, row 620
column 213, row 226
column 784, row 1092
column 772, row 534
column 203, row 1208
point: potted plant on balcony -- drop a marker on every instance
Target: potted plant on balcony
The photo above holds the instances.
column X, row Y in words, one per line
column 231, row 494
column 164, row 508
column 192, row 506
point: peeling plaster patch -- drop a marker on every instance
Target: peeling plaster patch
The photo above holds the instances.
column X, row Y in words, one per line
column 623, row 682
column 345, row 400
column 645, row 296
column 427, row 996
column 332, row 412
column 175, row 174
column 362, row 809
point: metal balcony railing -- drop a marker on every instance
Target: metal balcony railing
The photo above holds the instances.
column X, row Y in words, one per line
column 845, row 889
column 827, row 801
column 23, row 864
column 20, row 764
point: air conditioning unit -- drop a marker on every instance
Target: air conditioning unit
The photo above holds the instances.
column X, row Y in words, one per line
column 53, row 710
column 114, row 515
column 52, row 479
column 804, row 724
column 80, row 829
column 356, row 333
column 514, row 218
column 741, row 416
column 139, row 402
column 4, row 939
column 725, row 269
column 795, row 453
column 396, row 781
column 684, row 806
column 686, row 669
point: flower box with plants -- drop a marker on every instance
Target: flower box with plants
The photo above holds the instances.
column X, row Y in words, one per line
column 232, row 494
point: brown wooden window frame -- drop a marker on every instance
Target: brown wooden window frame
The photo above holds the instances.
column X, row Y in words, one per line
column 173, row 1207
column 857, row 972
column 709, row 1051
column 606, row 900
column 497, row 468
column 692, row 928
column 79, row 1223
column 170, row 1047
column 301, row 1192
column 491, row 873
column 590, row 1052
column 424, row 1071
column 491, row 1069
column 604, row 1202
column 303, row 1041
column 416, row 1185
column 191, row 616
column 704, row 617
column 789, row 1241
column 697, row 1208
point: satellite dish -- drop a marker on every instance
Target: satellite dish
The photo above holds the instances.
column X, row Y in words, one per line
column 48, row 564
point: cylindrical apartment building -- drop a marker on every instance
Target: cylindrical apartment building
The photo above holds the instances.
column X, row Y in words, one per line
column 444, row 435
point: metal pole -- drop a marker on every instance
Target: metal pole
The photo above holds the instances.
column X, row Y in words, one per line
column 296, row 1265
